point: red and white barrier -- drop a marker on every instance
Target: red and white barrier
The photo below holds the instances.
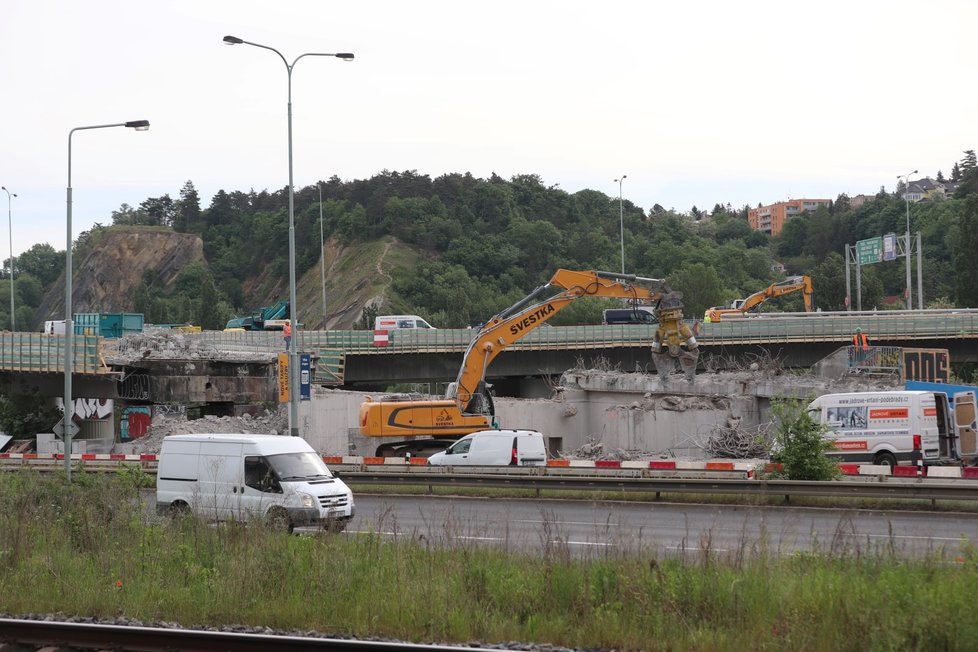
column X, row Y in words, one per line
column 381, row 338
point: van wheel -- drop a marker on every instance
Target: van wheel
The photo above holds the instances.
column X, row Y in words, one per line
column 278, row 519
column 178, row 510
column 886, row 459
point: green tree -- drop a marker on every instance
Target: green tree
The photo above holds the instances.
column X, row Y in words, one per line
column 23, row 416
column 701, row 286
column 966, row 244
column 186, row 218
column 42, row 262
column 800, row 443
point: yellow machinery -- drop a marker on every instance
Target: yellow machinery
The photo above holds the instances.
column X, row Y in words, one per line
column 741, row 307
column 468, row 406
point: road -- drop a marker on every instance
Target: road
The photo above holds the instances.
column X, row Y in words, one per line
column 588, row 529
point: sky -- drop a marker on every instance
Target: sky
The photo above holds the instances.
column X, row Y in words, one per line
column 697, row 103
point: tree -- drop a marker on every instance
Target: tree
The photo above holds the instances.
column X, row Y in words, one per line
column 965, row 246
column 186, row 218
column 27, row 415
column 160, row 211
column 800, row 443
column 42, row 262
column 701, row 286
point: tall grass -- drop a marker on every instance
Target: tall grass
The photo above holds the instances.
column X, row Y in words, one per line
column 89, row 549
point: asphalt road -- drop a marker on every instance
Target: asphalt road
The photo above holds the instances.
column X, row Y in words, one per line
column 593, row 529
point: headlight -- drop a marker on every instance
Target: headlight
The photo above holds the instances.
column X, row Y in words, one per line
column 306, row 499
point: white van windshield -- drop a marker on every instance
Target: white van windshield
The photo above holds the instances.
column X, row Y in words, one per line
column 298, row 466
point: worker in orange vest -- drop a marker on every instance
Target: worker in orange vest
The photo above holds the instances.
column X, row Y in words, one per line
column 860, row 341
column 287, row 333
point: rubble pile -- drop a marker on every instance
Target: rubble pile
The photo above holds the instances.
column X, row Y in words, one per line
column 173, row 345
column 273, row 423
column 731, row 441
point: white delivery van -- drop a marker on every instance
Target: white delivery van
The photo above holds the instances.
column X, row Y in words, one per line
column 241, row 477
column 495, row 448
column 884, row 427
column 393, row 322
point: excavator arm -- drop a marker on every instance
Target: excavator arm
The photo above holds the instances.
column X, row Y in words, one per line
column 753, row 303
column 532, row 311
column 468, row 405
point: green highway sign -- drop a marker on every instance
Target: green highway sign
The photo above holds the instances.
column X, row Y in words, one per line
column 869, row 251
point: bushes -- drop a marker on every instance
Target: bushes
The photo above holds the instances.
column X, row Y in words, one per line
column 800, row 447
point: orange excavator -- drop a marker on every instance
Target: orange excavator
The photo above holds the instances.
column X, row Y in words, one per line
column 467, row 406
column 742, row 307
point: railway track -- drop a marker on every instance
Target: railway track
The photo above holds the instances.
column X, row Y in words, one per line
column 18, row 634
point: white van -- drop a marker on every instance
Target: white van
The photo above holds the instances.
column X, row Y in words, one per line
column 495, row 448
column 54, row 327
column 885, row 427
column 393, row 322
column 240, row 477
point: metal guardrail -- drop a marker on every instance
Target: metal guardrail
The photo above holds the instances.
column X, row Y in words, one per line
column 920, row 489
column 595, row 479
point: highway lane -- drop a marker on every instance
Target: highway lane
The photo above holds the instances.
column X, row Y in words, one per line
column 590, row 529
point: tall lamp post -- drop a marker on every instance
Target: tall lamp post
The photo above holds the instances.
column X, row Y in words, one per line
column 68, row 424
column 322, row 251
column 906, row 196
column 10, row 224
column 621, row 218
column 293, row 310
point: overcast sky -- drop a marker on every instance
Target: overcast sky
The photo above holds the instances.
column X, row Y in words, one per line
column 697, row 103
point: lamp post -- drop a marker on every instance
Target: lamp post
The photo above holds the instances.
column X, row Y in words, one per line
column 322, row 251
column 68, row 423
column 10, row 224
column 906, row 196
column 621, row 218
column 293, row 310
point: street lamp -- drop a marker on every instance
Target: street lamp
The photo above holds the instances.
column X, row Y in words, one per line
column 621, row 217
column 68, row 424
column 293, row 310
column 10, row 223
column 906, row 196
column 322, row 251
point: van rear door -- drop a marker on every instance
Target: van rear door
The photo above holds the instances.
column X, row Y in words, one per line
column 530, row 449
column 966, row 423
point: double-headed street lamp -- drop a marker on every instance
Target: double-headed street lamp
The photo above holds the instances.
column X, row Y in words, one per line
column 68, row 424
column 621, row 218
column 906, row 196
column 293, row 310
column 10, row 223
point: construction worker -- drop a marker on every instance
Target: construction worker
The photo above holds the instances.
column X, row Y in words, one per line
column 287, row 334
column 860, row 341
column 860, row 350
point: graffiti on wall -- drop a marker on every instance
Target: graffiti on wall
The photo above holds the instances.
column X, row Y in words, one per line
column 89, row 409
column 134, row 422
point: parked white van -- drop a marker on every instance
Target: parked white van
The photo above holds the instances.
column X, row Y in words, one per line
column 884, row 427
column 393, row 322
column 495, row 448
column 241, row 477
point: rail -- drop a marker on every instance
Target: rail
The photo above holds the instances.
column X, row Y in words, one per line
column 737, row 481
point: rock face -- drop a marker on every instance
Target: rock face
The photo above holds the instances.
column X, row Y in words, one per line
column 107, row 278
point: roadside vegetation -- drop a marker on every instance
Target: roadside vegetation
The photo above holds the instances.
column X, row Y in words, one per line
column 88, row 549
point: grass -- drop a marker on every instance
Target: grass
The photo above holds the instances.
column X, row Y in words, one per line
column 88, row 549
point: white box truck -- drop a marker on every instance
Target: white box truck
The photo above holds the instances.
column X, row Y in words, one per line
column 223, row 477
column 889, row 427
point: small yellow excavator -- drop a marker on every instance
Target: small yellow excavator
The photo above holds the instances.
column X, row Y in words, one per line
column 742, row 307
column 467, row 406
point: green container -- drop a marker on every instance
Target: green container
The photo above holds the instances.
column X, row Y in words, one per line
column 108, row 324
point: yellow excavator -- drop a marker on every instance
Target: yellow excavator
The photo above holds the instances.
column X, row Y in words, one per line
column 467, row 406
column 742, row 307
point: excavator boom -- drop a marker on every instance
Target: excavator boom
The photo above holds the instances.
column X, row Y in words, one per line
column 468, row 405
column 753, row 303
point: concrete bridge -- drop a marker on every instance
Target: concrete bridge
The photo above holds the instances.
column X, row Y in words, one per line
column 238, row 368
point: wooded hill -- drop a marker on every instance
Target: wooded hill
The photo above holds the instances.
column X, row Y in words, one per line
column 457, row 249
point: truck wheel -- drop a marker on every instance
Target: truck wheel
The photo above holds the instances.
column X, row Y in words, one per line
column 178, row 510
column 278, row 519
column 886, row 459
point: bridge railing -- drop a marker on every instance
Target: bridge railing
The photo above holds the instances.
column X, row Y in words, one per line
column 39, row 352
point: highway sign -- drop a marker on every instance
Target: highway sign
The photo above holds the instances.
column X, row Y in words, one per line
column 869, row 251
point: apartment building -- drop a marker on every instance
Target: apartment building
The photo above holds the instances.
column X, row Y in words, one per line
column 771, row 219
